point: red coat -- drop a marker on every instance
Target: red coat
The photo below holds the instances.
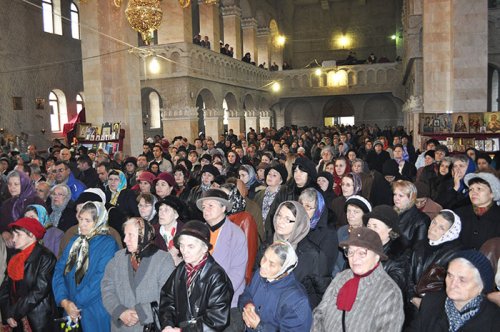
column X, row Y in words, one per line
column 247, row 223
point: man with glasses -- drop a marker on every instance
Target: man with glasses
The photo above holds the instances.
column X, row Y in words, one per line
column 364, row 297
column 63, row 175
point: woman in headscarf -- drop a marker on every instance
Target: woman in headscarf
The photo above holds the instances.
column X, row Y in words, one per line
column 146, row 205
column 342, row 167
column 22, row 194
column 79, row 271
column 120, row 201
column 233, row 164
column 197, row 296
column 325, row 184
column 62, row 212
column 53, row 235
column 26, row 295
column 129, row 303
column 275, row 300
column 247, row 175
column 350, row 185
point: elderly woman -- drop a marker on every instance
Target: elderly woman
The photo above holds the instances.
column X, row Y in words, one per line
column 146, row 204
column 350, row 186
column 129, row 304
column 247, row 175
column 62, row 213
column 53, row 235
column 197, row 295
column 22, row 194
column 480, row 220
column 79, row 271
column 171, row 217
column 326, row 157
column 463, row 306
column 26, row 295
column 275, row 300
column 275, row 178
column 364, row 297
column 412, row 222
column 118, row 196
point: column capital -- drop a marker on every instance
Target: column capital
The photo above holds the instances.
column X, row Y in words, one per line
column 252, row 113
column 235, row 113
column 249, row 23
column 264, row 114
column 231, row 10
column 263, row 31
column 213, row 113
column 185, row 112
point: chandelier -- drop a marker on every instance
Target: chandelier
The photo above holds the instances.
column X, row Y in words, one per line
column 144, row 16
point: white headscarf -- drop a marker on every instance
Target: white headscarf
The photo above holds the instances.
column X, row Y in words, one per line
column 452, row 233
column 290, row 262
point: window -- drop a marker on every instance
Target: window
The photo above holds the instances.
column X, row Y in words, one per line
column 154, row 110
column 79, row 103
column 58, row 110
column 51, row 11
column 75, row 22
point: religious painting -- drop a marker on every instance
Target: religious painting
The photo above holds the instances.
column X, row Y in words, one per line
column 106, row 131
column 443, row 122
column 427, row 123
column 460, row 122
column 475, row 122
column 116, row 130
column 492, row 122
column 83, row 130
column 39, row 103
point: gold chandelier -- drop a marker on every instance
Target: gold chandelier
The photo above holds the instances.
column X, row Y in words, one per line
column 144, row 16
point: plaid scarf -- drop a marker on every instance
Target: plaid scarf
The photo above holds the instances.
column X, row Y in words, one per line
column 193, row 272
column 457, row 318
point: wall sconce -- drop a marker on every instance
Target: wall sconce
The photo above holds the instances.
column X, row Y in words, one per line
column 276, row 87
column 43, row 131
column 344, row 41
column 154, row 65
column 318, row 72
column 280, row 40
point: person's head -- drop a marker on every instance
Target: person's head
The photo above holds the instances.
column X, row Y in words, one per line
column 215, row 204
column 398, row 152
column 15, row 181
column 65, row 155
column 193, row 241
column 350, row 184
column 181, row 175
column 90, row 195
column 138, row 234
column 325, row 181
column 266, row 158
column 327, row 154
column 469, row 274
column 460, row 164
column 91, row 217
column 276, row 175
column 61, row 171
column 483, row 162
column 445, row 226
column 60, row 195
column 378, row 146
column 330, row 167
column 304, row 172
column 102, row 171
column 404, row 195
column 341, row 166
column 25, row 232
column 157, row 152
column 170, row 209
column 145, row 181
column 484, row 188
column 130, row 165
column 429, row 157
column 278, row 261
column 357, row 165
column 445, row 166
column 355, row 207
column 43, row 190
column 291, row 222
column 116, row 180
column 440, row 152
column 142, row 162
column 164, row 184
column 363, row 250
column 84, row 163
column 146, row 205
column 208, row 174
column 384, row 221
column 311, row 201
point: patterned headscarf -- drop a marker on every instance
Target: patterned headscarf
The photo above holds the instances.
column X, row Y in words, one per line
column 320, row 207
column 79, row 251
column 27, row 191
column 252, row 177
column 41, row 212
column 239, row 203
column 290, row 262
column 301, row 224
column 357, row 185
column 122, row 185
column 145, row 242
column 452, row 233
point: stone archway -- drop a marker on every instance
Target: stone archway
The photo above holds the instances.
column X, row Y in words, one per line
column 151, row 103
column 205, row 101
column 336, row 108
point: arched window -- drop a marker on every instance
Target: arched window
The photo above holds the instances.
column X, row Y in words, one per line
column 58, row 110
column 51, row 11
column 79, row 103
column 75, row 21
column 154, row 110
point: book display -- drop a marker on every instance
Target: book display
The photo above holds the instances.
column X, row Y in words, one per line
column 109, row 136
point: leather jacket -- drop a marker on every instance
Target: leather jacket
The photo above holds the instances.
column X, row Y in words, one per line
column 397, row 265
column 413, row 225
column 209, row 303
column 247, row 223
column 33, row 295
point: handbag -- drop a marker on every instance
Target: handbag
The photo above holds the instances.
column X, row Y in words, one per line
column 155, row 326
column 432, row 280
column 65, row 324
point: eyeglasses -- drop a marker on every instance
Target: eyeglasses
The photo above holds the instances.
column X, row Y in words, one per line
column 57, row 195
column 281, row 217
column 60, row 170
column 351, row 252
column 143, row 206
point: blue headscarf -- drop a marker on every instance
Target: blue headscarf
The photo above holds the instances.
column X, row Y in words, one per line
column 251, row 175
column 41, row 212
column 320, row 207
column 471, row 168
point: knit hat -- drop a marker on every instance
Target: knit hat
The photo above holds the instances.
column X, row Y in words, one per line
column 210, row 169
column 360, row 202
column 365, row 238
column 197, row 229
column 31, row 225
column 385, row 214
column 167, row 177
column 91, row 195
column 146, row 176
column 132, row 160
column 216, row 195
column 492, row 180
column 430, row 153
column 207, row 157
column 378, row 142
column 482, row 264
column 307, row 166
column 280, row 169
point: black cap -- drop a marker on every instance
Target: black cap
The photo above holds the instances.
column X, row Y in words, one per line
column 197, row 229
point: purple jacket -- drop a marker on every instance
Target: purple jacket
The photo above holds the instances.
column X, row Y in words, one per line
column 231, row 252
column 52, row 239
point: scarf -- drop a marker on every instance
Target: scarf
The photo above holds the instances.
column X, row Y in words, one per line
column 267, row 201
column 251, row 175
column 300, row 228
column 204, row 187
column 320, row 207
column 79, row 251
column 57, row 211
column 347, row 293
column 193, row 272
column 122, row 185
column 145, row 245
column 168, row 237
column 457, row 318
column 41, row 212
column 289, row 264
column 338, row 178
column 27, row 191
column 234, row 196
column 479, row 211
column 15, row 268
column 452, row 233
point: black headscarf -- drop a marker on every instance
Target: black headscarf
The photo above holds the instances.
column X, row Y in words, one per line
column 145, row 243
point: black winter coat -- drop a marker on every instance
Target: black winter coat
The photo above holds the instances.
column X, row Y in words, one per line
column 210, row 299
column 397, row 264
column 413, row 225
column 32, row 297
column 432, row 316
column 476, row 230
column 376, row 160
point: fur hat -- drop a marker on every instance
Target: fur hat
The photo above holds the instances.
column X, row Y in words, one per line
column 197, row 229
column 280, row 169
column 365, row 238
column 491, row 179
column 210, row 169
column 385, row 214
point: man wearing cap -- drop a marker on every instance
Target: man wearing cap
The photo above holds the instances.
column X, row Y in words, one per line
column 229, row 247
column 208, row 174
column 364, row 297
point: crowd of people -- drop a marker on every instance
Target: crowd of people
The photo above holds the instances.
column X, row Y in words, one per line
column 297, row 229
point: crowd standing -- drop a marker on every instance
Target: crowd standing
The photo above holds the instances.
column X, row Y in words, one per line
column 297, row 229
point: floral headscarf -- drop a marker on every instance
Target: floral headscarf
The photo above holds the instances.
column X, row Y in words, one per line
column 301, row 224
column 79, row 251
column 41, row 212
column 145, row 242
column 452, row 233
column 27, row 191
column 320, row 207
column 234, row 196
